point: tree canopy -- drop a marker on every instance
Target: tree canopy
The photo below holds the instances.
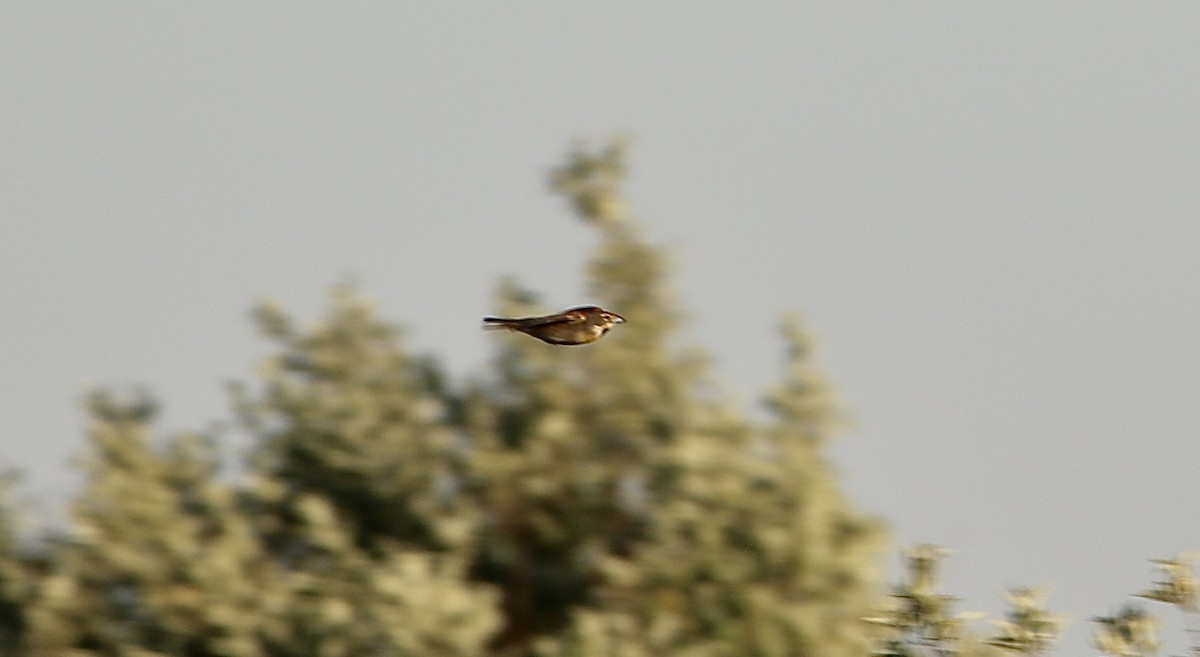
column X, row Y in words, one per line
column 599, row 500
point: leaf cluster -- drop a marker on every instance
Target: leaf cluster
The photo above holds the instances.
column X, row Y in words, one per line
column 589, row 501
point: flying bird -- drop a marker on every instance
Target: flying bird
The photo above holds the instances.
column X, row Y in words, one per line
column 570, row 327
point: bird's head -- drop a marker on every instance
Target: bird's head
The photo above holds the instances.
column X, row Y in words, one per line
column 611, row 318
column 600, row 317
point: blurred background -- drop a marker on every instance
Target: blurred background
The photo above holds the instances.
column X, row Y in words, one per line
column 985, row 216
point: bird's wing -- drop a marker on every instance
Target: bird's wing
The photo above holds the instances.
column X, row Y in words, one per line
column 569, row 317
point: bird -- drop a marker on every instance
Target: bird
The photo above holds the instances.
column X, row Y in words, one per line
column 574, row 326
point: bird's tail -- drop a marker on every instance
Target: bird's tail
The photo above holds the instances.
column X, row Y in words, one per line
column 498, row 324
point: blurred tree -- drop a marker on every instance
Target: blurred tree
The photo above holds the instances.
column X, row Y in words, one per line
column 158, row 560
column 580, row 501
column 716, row 535
column 164, row 559
column 347, row 414
column 919, row 618
column 1029, row 628
column 391, row 600
column 750, row 548
column 1180, row 588
column 14, row 576
column 1130, row 633
column 566, row 438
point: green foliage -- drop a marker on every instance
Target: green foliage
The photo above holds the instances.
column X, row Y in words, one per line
column 14, row 578
column 347, row 414
column 750, row 549
column 576, row 501
column 1132, row 632
column 723, row 536
column 567, row 441
column 1179, row 588
column 918, row 618
column 165, row 559
column 160, row 560
column 1029, row 628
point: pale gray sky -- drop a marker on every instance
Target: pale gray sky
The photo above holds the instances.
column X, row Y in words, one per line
column 987, row 212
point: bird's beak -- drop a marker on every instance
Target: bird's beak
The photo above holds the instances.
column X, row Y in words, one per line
column 617, row 319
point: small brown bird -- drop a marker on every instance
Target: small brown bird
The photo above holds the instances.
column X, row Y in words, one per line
column 570, row 327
